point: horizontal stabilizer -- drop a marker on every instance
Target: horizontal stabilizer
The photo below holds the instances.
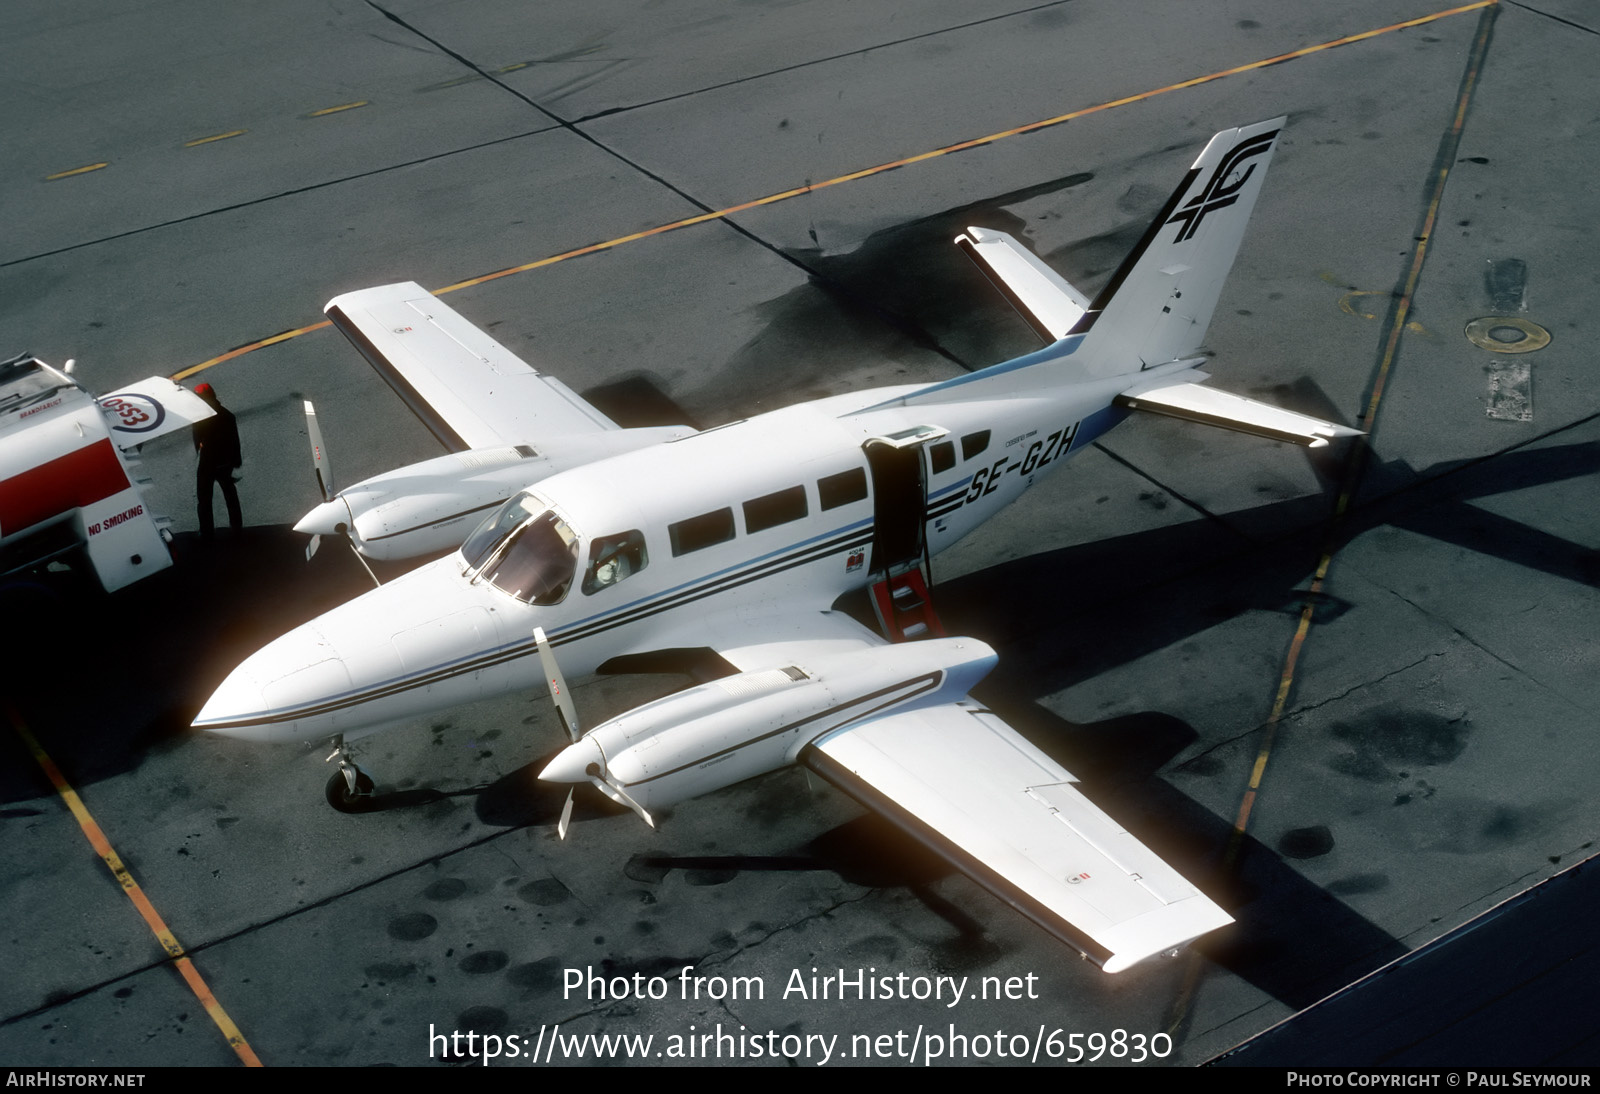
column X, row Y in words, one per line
column 1051, row 306
column 1180, row 396
column 468, row 389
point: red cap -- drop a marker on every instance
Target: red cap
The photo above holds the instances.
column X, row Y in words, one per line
column 203, row 389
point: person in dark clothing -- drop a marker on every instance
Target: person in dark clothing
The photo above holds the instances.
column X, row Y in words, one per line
column 217, row 441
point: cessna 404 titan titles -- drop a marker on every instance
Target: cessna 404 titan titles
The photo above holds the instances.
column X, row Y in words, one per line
column 621, row 544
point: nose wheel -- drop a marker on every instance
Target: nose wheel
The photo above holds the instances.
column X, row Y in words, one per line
column 349, row 788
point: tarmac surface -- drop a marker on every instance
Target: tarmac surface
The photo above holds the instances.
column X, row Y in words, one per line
column 1510, row 988
column 1399, row 704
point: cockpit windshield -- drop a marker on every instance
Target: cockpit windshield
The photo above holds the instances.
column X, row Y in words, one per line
column 488, row 535
column 535, row 560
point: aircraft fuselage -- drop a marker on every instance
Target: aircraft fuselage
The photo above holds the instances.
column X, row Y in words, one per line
column 788, row 505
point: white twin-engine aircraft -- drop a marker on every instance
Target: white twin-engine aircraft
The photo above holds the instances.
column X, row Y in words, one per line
column 619, row 549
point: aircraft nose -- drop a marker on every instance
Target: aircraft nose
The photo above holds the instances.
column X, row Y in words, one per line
column 326, row 518
column 392, row 655
column 571, row 765
column 231, row 707
column 265, row 698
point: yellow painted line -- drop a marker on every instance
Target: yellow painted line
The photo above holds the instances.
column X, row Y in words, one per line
column 249, row 347
column 976, row 142
column 1368, row 423
column 1347, row 302
column 218, row 137
column 1352, row 475
column 75, row 171
column 102, row 846
column 336, row 109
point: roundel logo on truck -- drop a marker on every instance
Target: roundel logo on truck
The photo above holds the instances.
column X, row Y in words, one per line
column 136, row 413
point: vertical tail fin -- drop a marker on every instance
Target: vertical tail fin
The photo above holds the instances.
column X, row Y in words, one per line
column 1155, row 309
column 1157, row 306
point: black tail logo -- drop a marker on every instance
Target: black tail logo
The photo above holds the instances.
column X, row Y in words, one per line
column 1222, row 188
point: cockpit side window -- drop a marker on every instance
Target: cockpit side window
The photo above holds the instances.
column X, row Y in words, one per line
column 537, row 561
column 614, row 559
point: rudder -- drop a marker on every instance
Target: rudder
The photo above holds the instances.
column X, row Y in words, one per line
column 1158, row 305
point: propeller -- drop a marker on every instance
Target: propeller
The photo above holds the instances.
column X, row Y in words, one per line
column 577, row 762
column 331, row 507
column 319, row 454
column 558, row 687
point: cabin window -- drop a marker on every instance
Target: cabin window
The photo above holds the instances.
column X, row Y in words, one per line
column 942, row 455
column 842, row 489
column 771, row 510
column 536, row 562
column 698, row 533
column 614, row 559
column 974, row 443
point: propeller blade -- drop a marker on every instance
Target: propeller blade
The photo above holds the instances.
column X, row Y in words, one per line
column 558, row 686
column 566, row 815
column 311, row 548
column 622, row 797
column 319, row 454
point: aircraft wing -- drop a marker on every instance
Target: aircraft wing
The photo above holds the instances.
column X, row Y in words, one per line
column 468, row 389
column 966, row 785
column 962, row 782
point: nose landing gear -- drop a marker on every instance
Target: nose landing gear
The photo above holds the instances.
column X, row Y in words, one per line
column 349, row 788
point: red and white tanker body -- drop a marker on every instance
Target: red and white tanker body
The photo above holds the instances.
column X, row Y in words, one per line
column 70, row 475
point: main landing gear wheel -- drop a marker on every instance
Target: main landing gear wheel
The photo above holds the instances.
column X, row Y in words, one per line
column 347, row 798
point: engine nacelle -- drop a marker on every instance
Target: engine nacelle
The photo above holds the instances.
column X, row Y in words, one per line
column 745, row 725
column 430, row 507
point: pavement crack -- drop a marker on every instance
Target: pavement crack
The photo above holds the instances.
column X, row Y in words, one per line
column 859, row 52
column 1477, row 645
column 1550, row 16
column 914, row 331
column 1353, row 688
column 1246, row 734
column 276, row 195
